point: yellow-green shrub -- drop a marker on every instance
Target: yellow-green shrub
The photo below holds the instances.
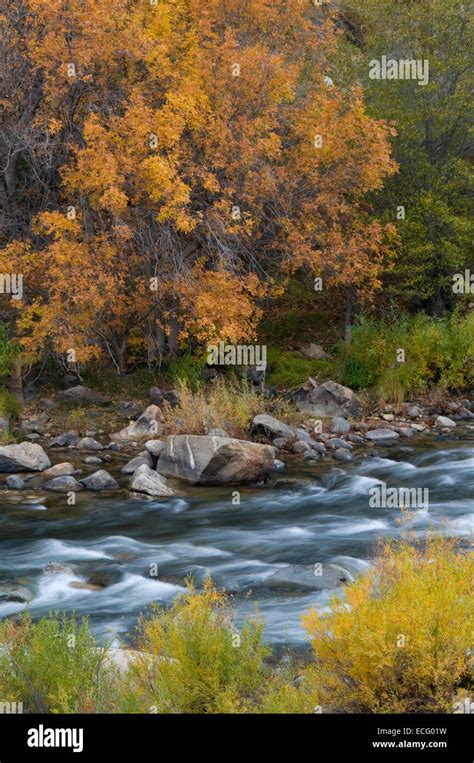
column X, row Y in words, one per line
column 400, row 641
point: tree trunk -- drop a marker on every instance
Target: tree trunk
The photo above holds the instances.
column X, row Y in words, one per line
column 15, row 381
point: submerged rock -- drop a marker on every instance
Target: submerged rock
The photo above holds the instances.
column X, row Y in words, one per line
column 25, row 457
column 205, row 460
column 314, row 577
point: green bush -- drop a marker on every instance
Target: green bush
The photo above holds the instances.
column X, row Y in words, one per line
column 438, row 353
column 290, row 369
column 52, row 666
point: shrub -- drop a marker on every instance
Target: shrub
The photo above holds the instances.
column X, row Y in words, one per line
column 9, row 405
column 203, row 664
column 290, row 369
column 438, row 353
column 400, row 641
column 228, row 404
column 52, row 666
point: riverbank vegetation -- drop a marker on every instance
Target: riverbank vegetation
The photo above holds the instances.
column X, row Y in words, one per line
column 398, row 639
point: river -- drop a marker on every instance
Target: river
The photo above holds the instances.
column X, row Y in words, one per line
column 305, row 515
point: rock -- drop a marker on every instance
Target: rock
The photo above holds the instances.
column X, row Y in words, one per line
column 414, row 412
column 149, row 423
column 382, row 435
column 33, row 436
column 39, row 424
column 340, row 426
column 15, row 482
column 92, row 460
column 302, row 576
column 357, row 439
column 25, row 457
column 329, row 399
column 82, row 394
column 300, row 446
column 84, row 586
column 130, row 409
column 46, row 404
column 464, row 414
column 115, row 446
column 158, row 397
column 272, row 426
column 66, row 440
column 278, row 465
column 216, row 432
column 145, row 480
column 318, row 447
column 14, row 593
column 155, row 447
column 342, row 455
column 100, row 480
column 418, row 427
column 58, row 568
column 208, row 460
column 132, row 466
column 64, row 484
column 315, row 352
column 407, row 432
column 336, row 442
column 279, row 442
column 89, row 443
column 443, row 421
column 388, row 416
column 59, row 470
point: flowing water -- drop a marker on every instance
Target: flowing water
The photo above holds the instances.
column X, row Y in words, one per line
column 305, row 515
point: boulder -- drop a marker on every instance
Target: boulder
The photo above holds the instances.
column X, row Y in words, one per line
column 130, row 409
column 46, row 404
column 65, row 440
column 14, row 593
column 158, row 396
column 93, row 460
column 315, row 352
column 65, row 469
column 39, row 424
column 64, row 484
column 149, row 423
column 208, row 460
column 336, row 442
column 382, row 435
column 300, row 446
column 15, row 482
column 340, row 454
column 80, row 394
column 154, row 447
column 443, row 421
column 357, row 439
column 100, row 480
column 414, row 412
column 132, row 466
column 89, row 443
column 25, row 457
column 145, row 480
column 310, row 577
column 340, row 426
column 328, row 399
column 272, row 426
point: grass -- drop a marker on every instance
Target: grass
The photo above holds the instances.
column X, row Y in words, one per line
column 400, row 641
column 228, row 403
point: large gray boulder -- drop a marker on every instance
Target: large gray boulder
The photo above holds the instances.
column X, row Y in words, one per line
column 272, row 426
column 205, row 460
column 148, row 424
column 82, row 394
column 313, row 577
column 24, row 457
column 328, row 399
column 145, row 480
